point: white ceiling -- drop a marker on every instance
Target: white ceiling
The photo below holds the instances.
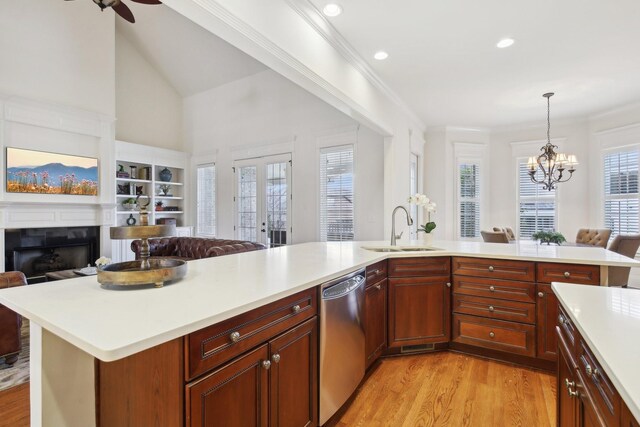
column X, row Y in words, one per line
column 444, row 64
column 190, row 58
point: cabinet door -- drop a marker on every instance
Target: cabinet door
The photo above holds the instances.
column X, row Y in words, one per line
column 294, row 377
column 566, row 389
column 587, row 413
column 627, row 418
column 419, row 311
column 547, row 317
column 375, row 321
column 235, row 395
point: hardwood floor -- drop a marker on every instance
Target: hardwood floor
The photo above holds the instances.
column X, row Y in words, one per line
column 450, row 389
column 14, row 406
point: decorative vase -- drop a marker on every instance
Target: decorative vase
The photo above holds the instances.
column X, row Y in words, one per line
column 427, row 239
column 165, row 175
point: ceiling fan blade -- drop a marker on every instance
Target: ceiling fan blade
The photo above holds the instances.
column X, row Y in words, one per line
column 124, row 11
column 148, row 1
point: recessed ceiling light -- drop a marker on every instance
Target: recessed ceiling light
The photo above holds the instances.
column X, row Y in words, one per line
column 505, row 43
column 380, row 55
column 332, row 9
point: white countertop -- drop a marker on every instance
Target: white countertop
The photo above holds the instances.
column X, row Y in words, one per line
column 609, row 321
column 113, row 324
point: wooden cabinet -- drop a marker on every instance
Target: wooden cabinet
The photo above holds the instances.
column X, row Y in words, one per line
column 567, row 406
column 375, row 320
column 275, row 384
column 546, row 320
column 628, row 419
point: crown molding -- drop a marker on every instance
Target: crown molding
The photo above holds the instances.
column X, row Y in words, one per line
column 316, row 19
column 615, row 111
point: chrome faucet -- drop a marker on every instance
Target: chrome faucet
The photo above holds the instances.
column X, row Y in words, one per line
column 393, row 224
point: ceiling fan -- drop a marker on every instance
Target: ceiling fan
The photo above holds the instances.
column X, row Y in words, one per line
column 120, row 8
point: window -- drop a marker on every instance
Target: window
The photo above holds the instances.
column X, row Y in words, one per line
column 336, row 193
column 206, row 200
column 413, row 183
column 536, row 207
column 621, row 213
column 469, row 199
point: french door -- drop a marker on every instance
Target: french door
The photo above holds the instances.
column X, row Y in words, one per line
column 263, row 200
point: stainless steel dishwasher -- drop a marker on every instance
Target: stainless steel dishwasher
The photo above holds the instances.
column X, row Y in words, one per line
column 342, row 352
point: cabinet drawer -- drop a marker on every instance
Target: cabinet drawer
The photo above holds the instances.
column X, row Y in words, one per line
column 494, row 308
column 569, row 273
column 567, row 330
column 216, row 344
column 411, row 267
column 494, row 268
column 376, row 272
column 491, row 288
column 603, row 393
column 511, row 337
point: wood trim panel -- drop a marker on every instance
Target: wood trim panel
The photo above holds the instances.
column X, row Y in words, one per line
column 567, row 331
column 494, row 268
column 511, row 337
column 494, row 308
column 375, row 321
column 420, row 267
column 568, row 273
column 494, row 288
column 628, row 419
column 546, row 321
column 212, row 346
column 376, row 272
column 143, row 389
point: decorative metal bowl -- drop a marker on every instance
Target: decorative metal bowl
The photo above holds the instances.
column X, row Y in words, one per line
column 131, row 273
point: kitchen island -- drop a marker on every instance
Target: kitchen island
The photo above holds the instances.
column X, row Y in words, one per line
column 74, row 322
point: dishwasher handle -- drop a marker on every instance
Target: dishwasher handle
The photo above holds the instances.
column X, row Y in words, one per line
column 343, row 288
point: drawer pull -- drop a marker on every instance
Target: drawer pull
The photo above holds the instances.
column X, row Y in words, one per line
column 377, row 272
column 491, row 268
column 573, row 393
column 567, row 274
column 492, row 288
column 378, row 286
column 569, row 384
column 235, row 336
column 275, row 358
column 491, row 334
column 541, row 294
column 491, row 308
column 266, row 364
column 296, row 309
column 448, row 284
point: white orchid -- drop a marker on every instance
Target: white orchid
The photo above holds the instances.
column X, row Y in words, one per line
column 102, row 261
column 423, row 201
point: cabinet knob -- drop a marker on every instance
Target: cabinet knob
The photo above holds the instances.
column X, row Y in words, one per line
column 567, row 274
column 560, row 319
column 569, row 384
column 448, row 284
column 589, row 370
column 491, row 334
column 377, row 272
column 235, row 336
column 573, row 393
column 541, row 294
column 491, row 308
column 491, row 268
column 378, row 286
column 275, row 358
column 266, row 364
column 296, row 308
column 492, row 288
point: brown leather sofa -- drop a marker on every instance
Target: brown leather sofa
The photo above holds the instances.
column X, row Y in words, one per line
column 195, row 247
column 10, row 322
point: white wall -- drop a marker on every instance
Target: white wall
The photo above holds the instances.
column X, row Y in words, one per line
column 148, row 108
column 263, row 110
column 60, row 52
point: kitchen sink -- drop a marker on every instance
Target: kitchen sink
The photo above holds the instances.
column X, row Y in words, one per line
column 401, row 248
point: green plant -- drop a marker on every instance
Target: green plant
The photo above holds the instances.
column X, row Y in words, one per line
column 549, row 237
column 428, row 227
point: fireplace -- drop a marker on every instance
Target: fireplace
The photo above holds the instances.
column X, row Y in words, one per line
column 37, row 251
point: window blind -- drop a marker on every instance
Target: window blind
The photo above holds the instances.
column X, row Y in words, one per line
column 469, row 200
column 336, row 194
column 536, row 207
column 621, row 198
column 206, row 200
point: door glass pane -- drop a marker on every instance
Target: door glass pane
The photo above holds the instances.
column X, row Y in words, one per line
column 247, row 203
column 276, row 204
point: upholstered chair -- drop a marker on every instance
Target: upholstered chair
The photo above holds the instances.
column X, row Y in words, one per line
column 10, row 322
column 494, row 236
column 510, row 234
column 626, row 245
column 593, row 236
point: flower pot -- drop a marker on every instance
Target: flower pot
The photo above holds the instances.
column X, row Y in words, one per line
column 427, row 239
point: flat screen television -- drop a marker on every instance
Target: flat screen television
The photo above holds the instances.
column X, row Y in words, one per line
column 30, row 171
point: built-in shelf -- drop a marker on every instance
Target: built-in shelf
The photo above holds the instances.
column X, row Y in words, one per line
column 169, row 183
column 168, row 198
column 139, row 181
column 127, row 212
column 168, row 212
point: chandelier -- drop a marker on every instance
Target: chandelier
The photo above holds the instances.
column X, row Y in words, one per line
column 552, row 165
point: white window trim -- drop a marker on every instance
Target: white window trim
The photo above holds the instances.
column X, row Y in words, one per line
column 471, row 152
column 215, row 205
column 517, row 204
column 481, row 200
column 418, row 220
